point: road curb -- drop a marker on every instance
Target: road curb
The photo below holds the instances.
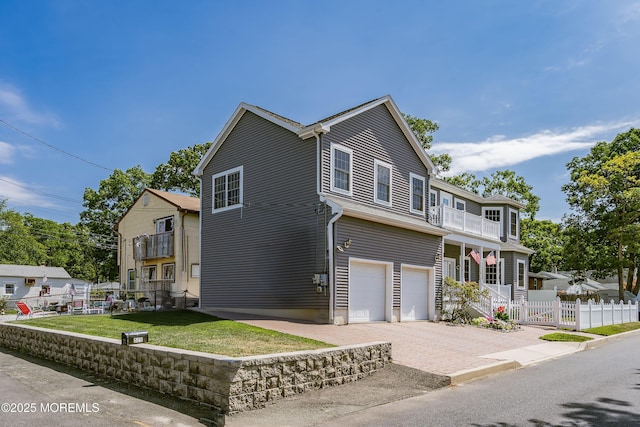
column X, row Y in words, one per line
column 475, row 373
column 595, row 343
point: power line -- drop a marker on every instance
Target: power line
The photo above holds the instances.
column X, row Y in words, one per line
column 54, row 147
column 42, row 193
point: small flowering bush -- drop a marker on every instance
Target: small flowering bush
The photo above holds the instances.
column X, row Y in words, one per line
column 494, row 323
column 501, row 314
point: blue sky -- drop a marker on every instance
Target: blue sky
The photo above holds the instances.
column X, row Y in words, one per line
column 521, row 85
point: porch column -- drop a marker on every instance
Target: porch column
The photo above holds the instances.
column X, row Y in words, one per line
column 463, row 249
column 481, row 266
column 498, row 269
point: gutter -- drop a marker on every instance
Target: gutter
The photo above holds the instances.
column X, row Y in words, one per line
column 335, row 208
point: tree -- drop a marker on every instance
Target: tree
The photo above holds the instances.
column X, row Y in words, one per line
column 176, row 174
column 604, row 194
column 547, row 239
column 17, row 245
column 423, row 130
column 103, row 209
column 505, row 183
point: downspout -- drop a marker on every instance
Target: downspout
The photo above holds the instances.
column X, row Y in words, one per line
column 337, row 211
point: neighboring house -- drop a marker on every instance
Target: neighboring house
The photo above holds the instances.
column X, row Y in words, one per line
column 332, row 222
column 159, row 248
column 562, row 281
column 32, row 283
column 488, row 226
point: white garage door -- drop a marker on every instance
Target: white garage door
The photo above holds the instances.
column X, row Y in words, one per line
column 415, row 294
column 366, row 292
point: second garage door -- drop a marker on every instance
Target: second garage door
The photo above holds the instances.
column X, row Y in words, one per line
column 415, row 294
column 367, row 287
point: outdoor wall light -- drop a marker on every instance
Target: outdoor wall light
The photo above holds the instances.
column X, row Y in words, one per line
column 340, row 248
column 347, row 243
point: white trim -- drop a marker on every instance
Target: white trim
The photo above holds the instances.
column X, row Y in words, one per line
column 435, row 201
column 495, row 208
column 377, row 163
column 461, row 201
column 517, row 235
column 349, row 151
column 388, row 298
column 517, row 276
column 445, row 261
column 413, row 176
column 226, row 206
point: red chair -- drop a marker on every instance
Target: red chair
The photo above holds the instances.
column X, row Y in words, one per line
column 23, row 310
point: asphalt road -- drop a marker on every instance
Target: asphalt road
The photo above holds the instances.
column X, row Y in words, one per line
column 36, row 392
column 598, row 387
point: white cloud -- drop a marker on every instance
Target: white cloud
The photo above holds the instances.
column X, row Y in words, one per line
column 499, row 152
column 18, row 194
column 14, row 105
column 6, row 153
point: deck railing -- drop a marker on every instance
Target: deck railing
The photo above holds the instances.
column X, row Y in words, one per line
column 459, row 220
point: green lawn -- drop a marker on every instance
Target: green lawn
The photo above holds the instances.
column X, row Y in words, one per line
column 559, row 336
column 183, row 329
column 614, row 329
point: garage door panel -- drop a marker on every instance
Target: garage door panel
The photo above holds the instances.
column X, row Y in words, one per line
column 415, row 294
column 367, row 285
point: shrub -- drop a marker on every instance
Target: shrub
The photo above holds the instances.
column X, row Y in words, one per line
column 457, row 298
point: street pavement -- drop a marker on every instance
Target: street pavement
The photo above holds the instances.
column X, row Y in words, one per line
column 426, row 356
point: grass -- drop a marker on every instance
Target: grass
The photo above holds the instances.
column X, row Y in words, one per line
column 184, row 329
column 559, row 336
column 614, row 329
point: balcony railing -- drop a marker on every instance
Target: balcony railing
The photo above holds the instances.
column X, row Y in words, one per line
column 459, row 220
column 155, row 285
column 153, row 246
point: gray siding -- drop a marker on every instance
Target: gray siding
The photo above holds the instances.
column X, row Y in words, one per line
column 264, row 254
column 381, row 242
column 374, row 135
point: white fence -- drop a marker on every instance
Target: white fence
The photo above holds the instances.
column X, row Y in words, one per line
column 563, row 314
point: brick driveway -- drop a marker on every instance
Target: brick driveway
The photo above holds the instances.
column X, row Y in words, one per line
column 433, row 347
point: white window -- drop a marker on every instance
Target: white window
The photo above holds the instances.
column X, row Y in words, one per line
column 491, row 271
column 514, row 224
column 341, row 169
column 494, row 214
column 149, row 273
column 382, row 178
column 168, row 271
column 433, row 198
column 522, row 274
column 164, row 225
column 132, row 280
column 227, row 190
column 446, row 199
column 467, row 269
column 9, row 288
column 195, row 270
column 417, row 193
column 460, row 204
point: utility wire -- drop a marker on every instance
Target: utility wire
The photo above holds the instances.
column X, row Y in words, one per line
column 53, row 147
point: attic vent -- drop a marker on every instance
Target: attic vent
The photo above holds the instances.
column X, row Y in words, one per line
column 145, row 199
column 29, row 281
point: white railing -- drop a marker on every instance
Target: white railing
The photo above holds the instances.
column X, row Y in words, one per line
column 575, row 315
column 498, row 296
column 456, row 219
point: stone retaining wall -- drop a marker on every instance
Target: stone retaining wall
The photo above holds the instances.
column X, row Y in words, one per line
column 228, row 384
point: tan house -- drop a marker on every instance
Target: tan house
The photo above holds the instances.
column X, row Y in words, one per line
column 159, row 248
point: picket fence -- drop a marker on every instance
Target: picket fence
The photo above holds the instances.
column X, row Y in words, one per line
column 564, row 314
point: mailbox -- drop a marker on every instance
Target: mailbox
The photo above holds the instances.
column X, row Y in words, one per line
column 136, row 337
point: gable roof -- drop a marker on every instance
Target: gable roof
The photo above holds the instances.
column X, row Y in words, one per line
column 322, row 126
column 181, row 202
column 11, row 270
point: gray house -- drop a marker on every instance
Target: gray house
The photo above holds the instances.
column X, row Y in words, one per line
column 329, row 222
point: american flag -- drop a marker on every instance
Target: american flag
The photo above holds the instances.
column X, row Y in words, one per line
column 491, row 259
column 475, row 255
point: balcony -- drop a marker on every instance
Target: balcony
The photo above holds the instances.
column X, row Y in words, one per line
column 458, row 220
column 153, row 246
